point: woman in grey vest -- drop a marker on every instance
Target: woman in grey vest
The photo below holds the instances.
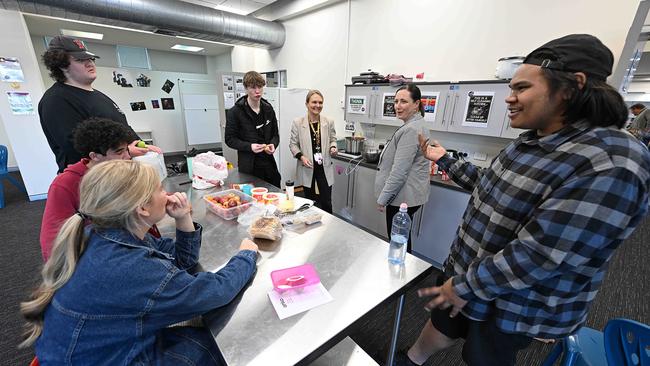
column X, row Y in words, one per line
column 403, row 172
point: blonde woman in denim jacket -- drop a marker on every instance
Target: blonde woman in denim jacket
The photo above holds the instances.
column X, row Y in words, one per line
column 110, row 290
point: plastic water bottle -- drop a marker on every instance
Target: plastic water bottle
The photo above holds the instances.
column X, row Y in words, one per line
column 399, row 234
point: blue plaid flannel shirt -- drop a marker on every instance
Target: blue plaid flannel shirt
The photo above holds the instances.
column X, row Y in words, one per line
column 542, row 223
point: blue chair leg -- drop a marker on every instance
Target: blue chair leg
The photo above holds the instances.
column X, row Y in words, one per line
column 555, row 353
column 569, row 358
column 17, row 183
column 2, row 194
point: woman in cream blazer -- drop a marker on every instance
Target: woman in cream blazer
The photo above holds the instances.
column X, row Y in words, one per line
column 313, row 142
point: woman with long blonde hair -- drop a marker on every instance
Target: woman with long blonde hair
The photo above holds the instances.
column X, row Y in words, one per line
column 110, row 290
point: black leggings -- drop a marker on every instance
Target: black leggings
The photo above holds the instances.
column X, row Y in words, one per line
column 390, row 212
column 323, row 200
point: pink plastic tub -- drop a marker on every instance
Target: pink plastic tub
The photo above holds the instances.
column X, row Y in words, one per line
column 294, row 277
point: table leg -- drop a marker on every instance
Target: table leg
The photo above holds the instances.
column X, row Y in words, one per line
column 393, row 341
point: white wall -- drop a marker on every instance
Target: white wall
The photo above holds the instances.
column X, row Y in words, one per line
column 30, row 149
column 445, row 39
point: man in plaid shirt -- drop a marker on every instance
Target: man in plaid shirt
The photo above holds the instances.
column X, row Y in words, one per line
column 545, row 218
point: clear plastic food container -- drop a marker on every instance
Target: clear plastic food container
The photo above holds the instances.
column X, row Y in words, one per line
column 231, row 210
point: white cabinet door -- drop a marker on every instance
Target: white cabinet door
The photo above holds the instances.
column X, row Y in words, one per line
column 478, row 109
column 435, row 225
column 383, row 110
column 510, row 132
column 363, row 201
column 340, row 190
column 359, row 103
column 437, row 106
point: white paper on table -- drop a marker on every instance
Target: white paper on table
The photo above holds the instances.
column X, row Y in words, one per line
column 292, row 302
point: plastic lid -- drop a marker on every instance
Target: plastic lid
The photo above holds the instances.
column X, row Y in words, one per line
column 288, row 183
column 403, row 207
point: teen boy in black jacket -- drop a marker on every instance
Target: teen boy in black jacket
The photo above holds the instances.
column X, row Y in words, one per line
column 252, row 130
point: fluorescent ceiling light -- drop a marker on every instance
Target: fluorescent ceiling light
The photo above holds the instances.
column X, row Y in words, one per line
column 204, row 40
column 80, row 34
column 183, row 47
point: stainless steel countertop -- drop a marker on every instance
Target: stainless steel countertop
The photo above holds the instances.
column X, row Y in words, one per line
column 351, row 263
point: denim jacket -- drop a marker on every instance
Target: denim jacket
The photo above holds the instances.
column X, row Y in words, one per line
column 125, row 290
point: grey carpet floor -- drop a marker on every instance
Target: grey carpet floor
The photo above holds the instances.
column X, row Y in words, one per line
column 624, row 293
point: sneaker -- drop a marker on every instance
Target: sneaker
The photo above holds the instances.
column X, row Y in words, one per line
column 402, row 359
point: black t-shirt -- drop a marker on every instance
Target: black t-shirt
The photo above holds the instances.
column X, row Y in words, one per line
column 63, row 107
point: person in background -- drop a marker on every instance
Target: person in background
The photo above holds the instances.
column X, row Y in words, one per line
column 97, row 140
column 640, row 126
column 402, row 170
column 252, row 130
column 73, row 99
column 110, row 291
column 641, row 117
column 313, row 142
column 546, row 217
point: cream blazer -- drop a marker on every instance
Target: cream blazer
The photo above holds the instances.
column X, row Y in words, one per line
column 301, row 142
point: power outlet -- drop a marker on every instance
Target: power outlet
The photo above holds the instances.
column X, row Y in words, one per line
column 480, row 156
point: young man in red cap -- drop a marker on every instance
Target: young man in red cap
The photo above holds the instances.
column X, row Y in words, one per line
column 545, row 218
column 72, row 99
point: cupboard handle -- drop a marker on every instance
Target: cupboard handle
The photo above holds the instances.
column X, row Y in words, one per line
column 347, row 193
column 374, row 106
column 420, row 221
column 453, row 110
column 354, row 182
column 444, row 110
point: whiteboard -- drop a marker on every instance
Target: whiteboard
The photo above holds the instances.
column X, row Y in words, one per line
column 202, row 126
column 201, row 117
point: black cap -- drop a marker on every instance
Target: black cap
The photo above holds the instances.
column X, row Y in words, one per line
column 575, row 53
column 72, row 47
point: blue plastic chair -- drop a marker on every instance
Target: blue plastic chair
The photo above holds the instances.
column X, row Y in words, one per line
column 4, row 174
column 627, row 342
column 623, row 343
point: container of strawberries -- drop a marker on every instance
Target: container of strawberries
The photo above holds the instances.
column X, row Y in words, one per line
column 228, row 204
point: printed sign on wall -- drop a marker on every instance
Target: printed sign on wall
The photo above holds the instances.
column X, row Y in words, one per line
column 357, row 104
column 430, row 103
column 388, row 108
column 477, row 109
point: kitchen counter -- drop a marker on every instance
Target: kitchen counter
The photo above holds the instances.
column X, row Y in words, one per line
column 351, row 263
column 435, row 179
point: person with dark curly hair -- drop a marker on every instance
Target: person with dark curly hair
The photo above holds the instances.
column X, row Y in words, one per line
column 97, row 140
column 72, row 99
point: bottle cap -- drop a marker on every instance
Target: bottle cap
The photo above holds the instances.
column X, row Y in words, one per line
column 403, row 206
column 288, row 183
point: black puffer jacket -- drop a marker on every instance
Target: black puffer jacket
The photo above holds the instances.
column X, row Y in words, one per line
column 242, row 131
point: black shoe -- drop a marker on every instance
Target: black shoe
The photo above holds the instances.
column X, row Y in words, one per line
column 402, row 359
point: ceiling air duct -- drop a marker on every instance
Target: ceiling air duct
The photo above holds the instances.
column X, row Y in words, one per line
column 181, row 18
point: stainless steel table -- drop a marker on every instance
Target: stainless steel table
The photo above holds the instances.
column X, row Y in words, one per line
column 352, row 266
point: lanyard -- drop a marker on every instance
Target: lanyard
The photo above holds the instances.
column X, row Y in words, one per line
column 316, row 132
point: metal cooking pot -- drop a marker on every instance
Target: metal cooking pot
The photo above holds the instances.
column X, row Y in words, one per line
column 371, row 155
column 354, row 145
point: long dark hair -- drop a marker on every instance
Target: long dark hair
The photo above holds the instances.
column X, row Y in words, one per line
column 597, row 102
column 415, row 94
